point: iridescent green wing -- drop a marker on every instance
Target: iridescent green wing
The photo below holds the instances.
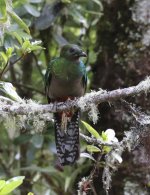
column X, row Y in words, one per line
column 48, row 76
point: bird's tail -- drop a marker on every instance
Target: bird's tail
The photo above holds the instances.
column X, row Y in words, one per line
column 67, row 137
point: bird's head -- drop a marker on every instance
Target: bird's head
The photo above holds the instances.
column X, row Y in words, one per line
column 72, row 52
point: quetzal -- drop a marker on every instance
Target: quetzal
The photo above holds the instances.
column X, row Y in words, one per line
column 66, row 79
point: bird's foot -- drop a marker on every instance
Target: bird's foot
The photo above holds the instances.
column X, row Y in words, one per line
column 54, row 107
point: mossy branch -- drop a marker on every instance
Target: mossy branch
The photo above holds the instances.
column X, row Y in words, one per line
column 84, row 103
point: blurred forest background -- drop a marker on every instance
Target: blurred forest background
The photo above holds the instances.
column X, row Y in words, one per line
column 116, row 36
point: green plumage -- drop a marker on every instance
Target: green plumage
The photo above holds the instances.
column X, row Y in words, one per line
column 66, row 78
column 63, row 69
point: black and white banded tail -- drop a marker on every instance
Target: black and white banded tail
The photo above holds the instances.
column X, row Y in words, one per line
column 67, row 141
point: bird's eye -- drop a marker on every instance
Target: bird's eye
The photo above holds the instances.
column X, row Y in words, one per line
column 72, row 50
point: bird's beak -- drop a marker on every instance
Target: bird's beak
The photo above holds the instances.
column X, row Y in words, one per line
column 83, row 54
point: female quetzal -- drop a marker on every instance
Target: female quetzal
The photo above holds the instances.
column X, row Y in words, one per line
column 66, row 79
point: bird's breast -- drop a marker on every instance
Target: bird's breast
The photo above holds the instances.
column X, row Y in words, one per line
column 61, row 87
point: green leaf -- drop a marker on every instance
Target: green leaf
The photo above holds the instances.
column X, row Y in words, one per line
column 87, row 155
column 30, row 193
column 104, row 136
column 9, row 91
column 3, row 12
column 91, row 148
column 2, row 184
column 37, row 140
column 36, row 47
column 9, row 51
column 32, row 10
column 106, row 149
column 67, row 183
column 17, row 3
column 91, row 130
column 35, row 1
column 18, row 37
column 99, row 3
column 9, row 41
column 4, row 57
column 66, row 1
column 22, row 139
column 49, row 169
column 26, row 46
column 78, row 18
column 19, row 21
column 11, row 184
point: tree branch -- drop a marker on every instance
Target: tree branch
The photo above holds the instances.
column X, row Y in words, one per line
column 84, row 103
column 97, row 141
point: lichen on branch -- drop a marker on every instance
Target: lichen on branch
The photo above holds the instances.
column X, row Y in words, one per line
column 84, row 103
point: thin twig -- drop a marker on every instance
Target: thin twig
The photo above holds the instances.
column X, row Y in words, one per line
column 15, row 61
column 1, row 74
column 18, row 59
column 93, row 189
column 28, row 87
column 8, row 62
column 90, row 178
column 38, row 66
column 5, row 166
column 86, row 183
column 97, row 141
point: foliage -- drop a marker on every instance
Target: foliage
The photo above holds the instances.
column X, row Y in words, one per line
column 7, row 90
column 115, row 36
column 15, row 34
column 8, row 186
